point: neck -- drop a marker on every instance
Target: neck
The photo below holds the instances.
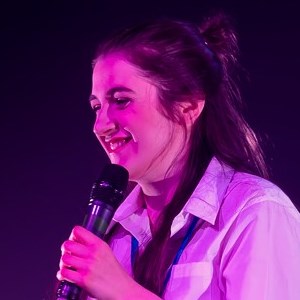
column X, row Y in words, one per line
column 157, row 195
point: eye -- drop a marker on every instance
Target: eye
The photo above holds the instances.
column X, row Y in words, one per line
column 121, row 102
column 96, row 107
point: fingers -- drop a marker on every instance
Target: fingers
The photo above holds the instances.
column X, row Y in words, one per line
column 80, row 256
column 75, row 248
column 83, row 236
column 83, row 244
column 69, row 275
column 73, row 269
column 71, row 262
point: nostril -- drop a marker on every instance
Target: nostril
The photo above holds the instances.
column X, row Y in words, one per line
column 102, row 127
column 106, row 131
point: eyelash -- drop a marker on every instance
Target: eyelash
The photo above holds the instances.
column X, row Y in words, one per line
column 121, row 102
column 96, row 107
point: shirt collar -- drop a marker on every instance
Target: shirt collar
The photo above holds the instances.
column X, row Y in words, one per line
column 133, row 217
column 129, row 206
column 207, row 197
column 204, row 202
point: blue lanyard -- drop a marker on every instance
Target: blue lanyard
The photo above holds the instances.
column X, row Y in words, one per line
column 134, row 249
column 185, row 241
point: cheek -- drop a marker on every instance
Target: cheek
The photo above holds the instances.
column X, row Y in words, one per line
column 173, row 140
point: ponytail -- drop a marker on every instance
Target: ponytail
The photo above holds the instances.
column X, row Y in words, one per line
column 239, row 147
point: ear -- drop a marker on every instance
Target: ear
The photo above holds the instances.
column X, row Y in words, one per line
column 192, row 110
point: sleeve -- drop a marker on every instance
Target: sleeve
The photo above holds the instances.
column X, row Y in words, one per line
column 261, row 257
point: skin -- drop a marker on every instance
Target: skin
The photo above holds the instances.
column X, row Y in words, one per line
column 97, row 270
column 134, row 134
column 133, row 114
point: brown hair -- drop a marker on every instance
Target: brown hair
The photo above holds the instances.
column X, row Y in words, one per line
column 185, row 61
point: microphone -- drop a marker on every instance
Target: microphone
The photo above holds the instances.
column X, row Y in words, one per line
column 106, row 196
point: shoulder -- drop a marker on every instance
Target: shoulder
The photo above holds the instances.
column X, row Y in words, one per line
column 261, row 239
column 252, row 189
column 251, row 199
column 226, row 193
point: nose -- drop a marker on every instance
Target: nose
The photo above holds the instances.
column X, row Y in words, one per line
column 104, row 123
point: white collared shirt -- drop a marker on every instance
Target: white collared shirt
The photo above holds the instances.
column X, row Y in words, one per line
column 247, row 249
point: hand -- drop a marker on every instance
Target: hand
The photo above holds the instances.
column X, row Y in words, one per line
column 89, row 262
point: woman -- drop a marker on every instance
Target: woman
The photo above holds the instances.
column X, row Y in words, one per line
column 203, row 222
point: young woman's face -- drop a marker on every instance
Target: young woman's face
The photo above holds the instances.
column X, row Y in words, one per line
column 128, row 123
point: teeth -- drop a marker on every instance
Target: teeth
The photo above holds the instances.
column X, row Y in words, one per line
column 114, row 146
column 107, row 139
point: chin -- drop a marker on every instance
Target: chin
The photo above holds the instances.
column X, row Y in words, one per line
column 137, row 169
column 134, row 173
column 123, row 163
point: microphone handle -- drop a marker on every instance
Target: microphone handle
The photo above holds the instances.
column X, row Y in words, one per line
column 106, row 195
column 97, row 219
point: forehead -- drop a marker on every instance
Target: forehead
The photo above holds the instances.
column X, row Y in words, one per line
column 114, row 69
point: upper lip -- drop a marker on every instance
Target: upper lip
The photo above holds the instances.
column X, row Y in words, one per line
column 109, row 139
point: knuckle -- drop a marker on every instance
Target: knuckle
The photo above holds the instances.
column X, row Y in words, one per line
column 64, row 246
column 65, row 258
column 63, row 272
column 76, row 230
column 73, row 233
column 58, row 275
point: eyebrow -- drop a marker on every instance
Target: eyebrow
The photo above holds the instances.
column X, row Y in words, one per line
column 112, row 91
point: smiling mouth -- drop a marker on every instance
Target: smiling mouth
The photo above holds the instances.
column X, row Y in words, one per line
column 114, row 144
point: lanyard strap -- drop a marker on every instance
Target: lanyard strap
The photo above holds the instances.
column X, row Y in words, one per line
column 134, row 249
column 185, row 241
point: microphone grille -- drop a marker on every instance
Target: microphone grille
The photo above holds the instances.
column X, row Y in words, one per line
column 116, row 175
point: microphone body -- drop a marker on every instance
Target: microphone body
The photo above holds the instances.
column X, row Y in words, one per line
column 106, row 195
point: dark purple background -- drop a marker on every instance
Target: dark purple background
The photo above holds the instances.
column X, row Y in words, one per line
column 49, row 156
